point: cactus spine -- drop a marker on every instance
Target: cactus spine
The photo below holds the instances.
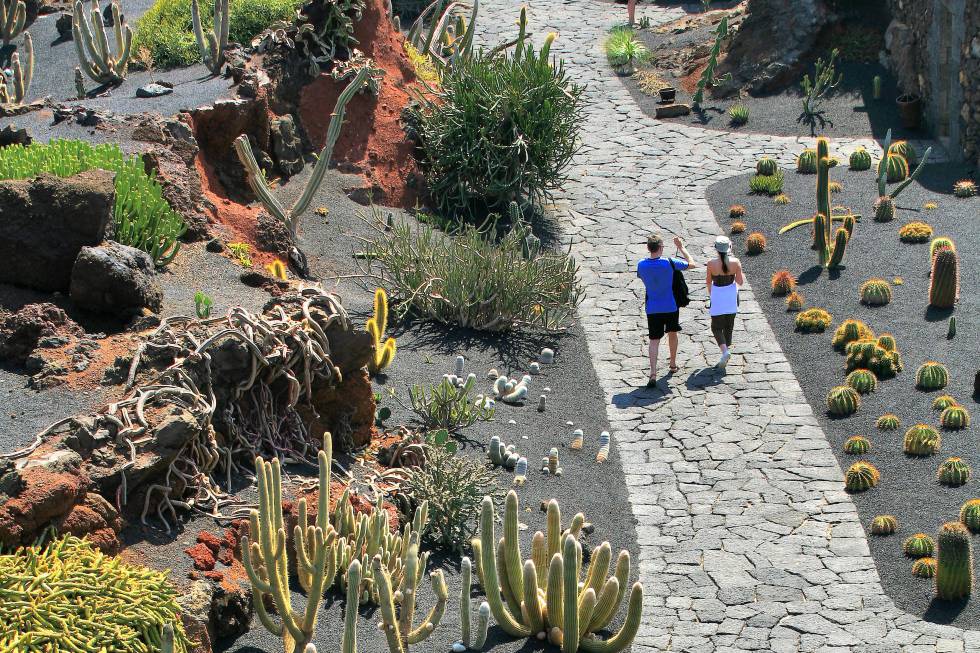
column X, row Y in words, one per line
column 20, row 85
column 212, row 47
column 256, row 179
column 377, row 324
column 102, row 65
column 840, row 248
column 13, row 15
column 954, row 573
column 471, row 641
column 944, row 283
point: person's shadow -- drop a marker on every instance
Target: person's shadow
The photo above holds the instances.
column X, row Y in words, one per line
column 705, row 378
column 642, row 397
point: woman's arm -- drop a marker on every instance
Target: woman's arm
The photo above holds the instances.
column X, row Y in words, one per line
column 739, row 278
column 708, row 278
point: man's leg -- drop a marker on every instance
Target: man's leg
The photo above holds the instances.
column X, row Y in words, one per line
column 672, row 344
column 654, row 350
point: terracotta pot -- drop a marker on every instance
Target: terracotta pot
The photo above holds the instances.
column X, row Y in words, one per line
column 668, row 94
column 910, row 110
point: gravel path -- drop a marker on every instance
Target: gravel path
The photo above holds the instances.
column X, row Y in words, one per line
column 747, row 539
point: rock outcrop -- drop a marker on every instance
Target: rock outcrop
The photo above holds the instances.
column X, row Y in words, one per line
column 115, row 279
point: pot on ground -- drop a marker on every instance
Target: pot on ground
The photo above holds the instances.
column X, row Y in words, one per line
column 910, row 110
column 667, row 94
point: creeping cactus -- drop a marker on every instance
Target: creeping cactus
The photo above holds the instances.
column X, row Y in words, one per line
column 861, row 476
column 860, row 159
column 919, row 545
column 955, row 418
column 13, row 16
column 921, row 440
column 15, row 91
column 377, row 324
column 944, row 282
column 953, row 472
column 471, row 641
column 931, row 376
column 212, row 46
column 545, row 596
column 864, row 381
column 888, row 422
column 102, row 65
column 970, row 515
column 398, row 624
column 884, row 525
column 842, row 401
column 954, row 568
column 857, row 445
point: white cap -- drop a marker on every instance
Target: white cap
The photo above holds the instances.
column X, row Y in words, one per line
column 723, row 244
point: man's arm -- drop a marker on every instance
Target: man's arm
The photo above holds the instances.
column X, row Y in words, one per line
column 683, row 252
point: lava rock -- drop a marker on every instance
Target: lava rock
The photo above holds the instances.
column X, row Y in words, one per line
column 113, row 278
column 45, row 222
column 215, row 245
column 21, row 332
column 287, row 149
column 153, row 90
column 63, row 25
column 673, row 110
column 11, row 135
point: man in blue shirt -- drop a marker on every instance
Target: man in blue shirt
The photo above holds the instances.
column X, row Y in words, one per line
column 663, row 315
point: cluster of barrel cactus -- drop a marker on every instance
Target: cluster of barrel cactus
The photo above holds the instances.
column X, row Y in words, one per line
column 888, row 422
column 813, row 320
column 860, row 160
column 376, row 326
column 843, row 400
column 857, row 445
column 944, row 280
column 884, row 525
column 954, row 562
column 755, row 243
column 919, row 545
column 783, row 283
column 953, row 472
column 849, row 331
column 875, row 292
column 770, row 185
column 869, row 354
column 955, row 418
column 931, row 376
column 915, row 232
column 794, row 301
column 905, row 150
column 921, row 440
column 970, row 515
column 861, row 476
column 863, row 381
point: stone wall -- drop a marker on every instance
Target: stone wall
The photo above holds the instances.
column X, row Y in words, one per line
column 970, row 81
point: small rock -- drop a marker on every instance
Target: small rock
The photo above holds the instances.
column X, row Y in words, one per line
column 153, row 90
column 114, row 278
column 11, row 135
column 215, row 245
column 255, row 279
column 673, row 110
column 63, row 25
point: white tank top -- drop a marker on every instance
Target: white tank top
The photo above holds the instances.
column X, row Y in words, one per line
column 724, row 299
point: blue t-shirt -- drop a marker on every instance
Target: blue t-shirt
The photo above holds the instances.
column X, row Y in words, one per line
column 658, row 277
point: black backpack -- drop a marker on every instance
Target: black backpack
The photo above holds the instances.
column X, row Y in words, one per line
column 679, row 286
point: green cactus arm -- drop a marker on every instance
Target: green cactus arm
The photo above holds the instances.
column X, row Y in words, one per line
column 569, row 593
column 586, row 608
column 883, row 171
column 915, row 173
column 465, row 48
column 539, row 556
column 840, row 247
column 621, row 576
column 117, row 26
column 27, row 67
column 199, row 32
column 167, row 639
column 432, row 619
column 532, row 606
column 409, row 589
column 512, row 551
column 82, row 37
column 101, row 38
column 485, row 550
column 554, row 528
column 599, row 567
column 386, row 604
column 121, row 64
column 317, row 586
column 349, row 642
column 625, row 636
column 607, row 603
column 466, row 581
column 256, row 180
column 553, row 593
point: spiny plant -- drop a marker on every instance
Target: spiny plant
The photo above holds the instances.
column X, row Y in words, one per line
column 884, row 525
column 15, row 89
column 13, row 16
column 940, row 242
column 915, row 232
column 766, row 166
column 842, row 401
column 955, row 418
column 921, row 440
column 860, row 160
column 782, row 199
column 755, row 244
column 783, row 283
column 849, row 331
column 876, row 87
column 398, row 624
column 930, row 206
column 953, row 472
column 876, row 292
column 951, row 328
column 624, row 50
column 448, row 406
column 242, row 252
column 919, row 545
column 857, row 445
column 892, row 168
column 868, row 354
column 965, row 188
column 884, row 209
column 944, row 281
column 825, row 79
column 708, row 77
column 942, row 402
column 212, row 45
column 861, row 476
column 794, row 301
column 813, row 320
column 830, row 255
column 202, row 305
column 864, row 381
column 102, row 65
column 806, row 162
column 836, row 187
column 895, row 168
column 736, row 211
column 970, row 515
column 277, row 270
column 376, row 326
column 924, row 568
column 954, row 568
column 887, row 342
column 544, row 596
column 738, row 227
column 738, row 114
column 931, row 375
column 472, row 636
column 770, row 185
column 905, row 150
column 888, row 422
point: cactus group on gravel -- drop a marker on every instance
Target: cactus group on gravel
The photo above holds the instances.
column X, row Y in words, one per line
column 931, row 376
column 849, row 331
column 813, row 320
column 861, row 476
column 953, row 472
column 954, row 558
column 919, row 545
column 921, row 440
column 868, row 354
column 884, row 525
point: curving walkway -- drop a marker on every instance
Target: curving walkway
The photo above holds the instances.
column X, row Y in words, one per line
column 747, row 539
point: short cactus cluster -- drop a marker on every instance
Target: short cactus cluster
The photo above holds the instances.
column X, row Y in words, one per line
column 924, row 568
column 861, row 476
column 915, row 232
column 876, row 292
column 965, row 188
column 953, row 472
column 919, row 545
column 931, row 376
column 954, row 562
column 863, row 381
column 921, row 440
column 850, row 331
column 770, row 185
column 813, row 320
column 905, row 150
column 502, row 455
column 806, row 162
column 970, row 515
column 755, row 244
column 857, row 445
column 842, row 401
column 766, row 166
column 942, row 402
column 955, row 418
column 888, row 422
column 884, row 525
column 794, row 301
column 868, row 354
column 783, row 283
column 860, row 160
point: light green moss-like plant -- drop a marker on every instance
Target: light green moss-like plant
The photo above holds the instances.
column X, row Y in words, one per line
column 919, row 545
column 931, row 376
column 842, row 401
column 884, row 525
column 857, row 445
column 96, row 59
column 861, row 476
column 954, row 472
column 921, row 440
column 954, row 570
column 738, row 114
column 888, row 422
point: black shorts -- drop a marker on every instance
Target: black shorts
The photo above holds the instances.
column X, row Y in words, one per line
column 659, row 323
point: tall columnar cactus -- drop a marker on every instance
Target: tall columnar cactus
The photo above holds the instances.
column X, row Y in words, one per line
column 377, row 324
column 13, row 15
column 545, row 596
column 15, row 92
column 473, row 641
column 96, row 59
column 398, row 625
column 256, row 179
column 708, row 75
column 824, row 164
column 212, row 45
column 944, row 282
column 954, row 574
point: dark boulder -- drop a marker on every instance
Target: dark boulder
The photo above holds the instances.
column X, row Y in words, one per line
column 32, row 326
column 116, row 279
column 45, row 222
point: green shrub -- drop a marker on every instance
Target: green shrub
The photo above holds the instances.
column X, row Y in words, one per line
column 143, row 218
column 502, row 128
column 449, row 406
column 165, row 36
column 738, row 114
column 624, row 50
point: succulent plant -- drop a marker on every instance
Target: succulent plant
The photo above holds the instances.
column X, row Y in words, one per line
column 954, row 562
column 970, row 515
column 953, row 472
column 884, row 209
column 15, row 90
column 502, row 455
column 736, row 211
column 951, row 328
column 921, row 440
column 931, row 376
column 376, row 326
column 770, row 185
column 876, row 87
column 836, row 187
column 842, row 401
column 794, row 301
column 915, row 232
column 944, row 281
column 738, row 227
column 782, row 199
column 876, row 292
column 857, row 445
column 766, row 166
column 864, row 381
column 955, row 418
column 783, row 283
column 849, row 331
column 860, row 159
column 755, row 243
column 887, row 342
column 95, row 58
column 905, row 150
column 868, row 354
column 919, row 545
column 578, row 440
column 924, row 568
column 547, row 356
column 942, row 402
column 840, row 248
column 884, row 525
column 213, row 44
column 965, row 188
column 738, row 114
column 895, row 166
column 888, row 422
column 806, row 162
column 861, row 476
column 813, row 320
column 471, row 641
column 940, row 242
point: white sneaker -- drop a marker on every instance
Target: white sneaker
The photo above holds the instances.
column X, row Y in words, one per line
column 723, row 361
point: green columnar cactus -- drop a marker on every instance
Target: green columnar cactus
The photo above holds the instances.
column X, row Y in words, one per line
column 931, row 376
column 942, row 402
column 766, row 166
column 924, row 568
column 944, row 282
column 843, row 401
column 348, row 643
column 708, row 75
column 876, row 292
column 970, row 515
column 857, row 445
column 256, row 179
column 940, row 242
column 840, row 248
column 861, row 476
column 849, row 331
column 905, row 150
column 13, row 15
column 955, row 418
column 860, row 159
column 884, row 525
column 876, row 87
column 820, row 238
column 20, row 84
column 864, row 381
column 212, row 46
column 954, row 569
column 921, row 440
column 953, row 472
column 806, row 162
column 470, row 640
column 102, row 65
column 824, row 165
column 919, row 545
column 887, row 342
column 951, row 328
column 888, row 422
column 397, row 625
column 884, row 209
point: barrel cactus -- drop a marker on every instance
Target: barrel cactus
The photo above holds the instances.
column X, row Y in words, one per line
column 738, row 227
column 755, row 243
column 842, row 401
column 813, row 320
column 783, row 283
column 895, row 166
column 887, row 342
column 736, row 211
column 965, row 188
column 905, row 150
column 953, row 472
column 888, row 422
column 806, row 163
column 860, row 160
column 955, row 418
column 924, row 568
column 884, row 525
column 868, row 354
column 970, row 515
column 794, row 301
column 876, row 292
column 954, row 562
column 942, row 402
column 931, row 376
column 861, row 476
column 766, row 166
column 884, row 208
column 921, row 440
column 919, row 545
column 915, row 232
column 849, row 331
column 857, row 445
column 864, row 381
column 944, row 282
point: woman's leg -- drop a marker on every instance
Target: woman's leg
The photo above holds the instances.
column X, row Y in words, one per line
column 729, row 329
column 718, row 331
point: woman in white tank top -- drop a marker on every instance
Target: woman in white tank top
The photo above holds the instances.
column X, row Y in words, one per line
column 724, row 280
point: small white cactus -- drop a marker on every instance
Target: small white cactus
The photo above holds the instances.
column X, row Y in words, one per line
column 547, row 356
column 520, row 471
column 542, row 401
column 578, row 439
column 535, row 368
column 603, row 452
column 460, row 362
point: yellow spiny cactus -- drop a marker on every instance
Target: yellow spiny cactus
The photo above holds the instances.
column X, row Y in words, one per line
column 384, row 352
column 277, row 269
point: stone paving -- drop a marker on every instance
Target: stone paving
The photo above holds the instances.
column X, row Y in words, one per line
column 747, row 539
